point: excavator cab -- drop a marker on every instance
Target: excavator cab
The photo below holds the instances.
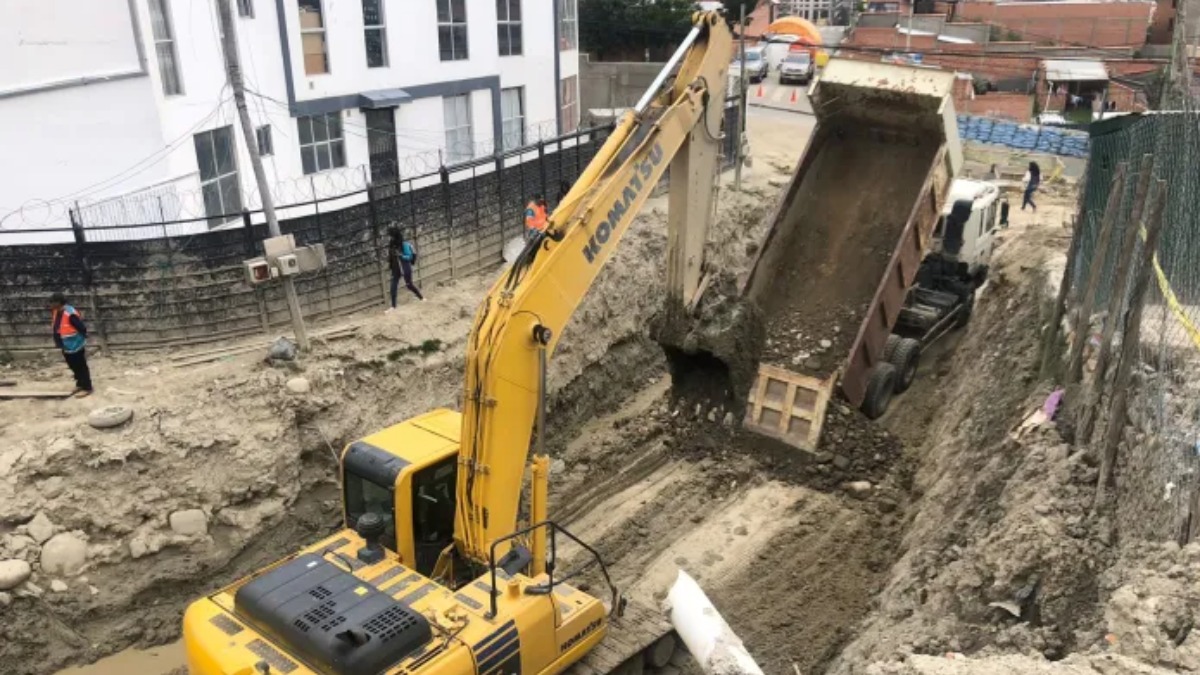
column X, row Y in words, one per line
column 406, row 474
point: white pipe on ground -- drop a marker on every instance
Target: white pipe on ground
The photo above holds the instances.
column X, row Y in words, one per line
column 709, row 639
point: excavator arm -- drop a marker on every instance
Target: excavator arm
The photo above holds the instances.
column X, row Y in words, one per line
column 518, row 325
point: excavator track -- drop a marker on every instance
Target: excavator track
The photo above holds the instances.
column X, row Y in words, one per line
column 640, row 641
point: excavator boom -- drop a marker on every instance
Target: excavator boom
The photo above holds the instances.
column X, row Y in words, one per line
column 521, row 319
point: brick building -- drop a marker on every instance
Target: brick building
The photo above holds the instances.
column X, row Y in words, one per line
column 1065, row 22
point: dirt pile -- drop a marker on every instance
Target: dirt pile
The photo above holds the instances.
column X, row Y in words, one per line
column 835, row 243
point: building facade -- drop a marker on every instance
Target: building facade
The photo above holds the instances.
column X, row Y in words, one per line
column 126, row 103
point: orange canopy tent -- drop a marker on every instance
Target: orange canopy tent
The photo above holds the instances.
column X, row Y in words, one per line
column 801, row 28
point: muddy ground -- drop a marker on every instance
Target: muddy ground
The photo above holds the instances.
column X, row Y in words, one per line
column 931, row 543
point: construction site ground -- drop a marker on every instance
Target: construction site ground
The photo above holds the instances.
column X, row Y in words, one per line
column 930, row 542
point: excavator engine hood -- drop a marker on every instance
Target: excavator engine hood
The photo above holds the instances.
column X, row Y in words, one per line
column 331, row 618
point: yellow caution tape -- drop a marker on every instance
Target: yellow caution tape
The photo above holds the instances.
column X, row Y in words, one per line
column 1164, row 286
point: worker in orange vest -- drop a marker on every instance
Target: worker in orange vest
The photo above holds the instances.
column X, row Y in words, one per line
column 70, row 335
column 535, row 216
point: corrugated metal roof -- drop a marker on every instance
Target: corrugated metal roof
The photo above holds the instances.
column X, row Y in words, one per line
column 1070, row 70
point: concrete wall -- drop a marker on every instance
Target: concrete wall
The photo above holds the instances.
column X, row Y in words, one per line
column 180, row 291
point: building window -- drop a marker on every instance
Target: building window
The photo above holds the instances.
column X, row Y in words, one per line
column 374, row 36
column 460, row 142
column 569, row 90
column 508, row 27
column 512, row 114
column 164, row 48
column 218, row 175
column 321, row 144
column 452, row 29
column 266, row 144
column 312, row 37
column 568, row 25
column 246, row 8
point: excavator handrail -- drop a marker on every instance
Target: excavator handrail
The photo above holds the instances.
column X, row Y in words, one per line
column 554, row 529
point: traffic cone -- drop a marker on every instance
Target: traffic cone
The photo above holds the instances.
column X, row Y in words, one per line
column 794, row 99
column 760, row 91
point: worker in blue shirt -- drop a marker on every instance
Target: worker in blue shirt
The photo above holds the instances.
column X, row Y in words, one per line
column 70, row 336
column 402, row 255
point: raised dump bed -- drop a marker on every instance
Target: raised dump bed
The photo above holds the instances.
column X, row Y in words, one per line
column 847, row 239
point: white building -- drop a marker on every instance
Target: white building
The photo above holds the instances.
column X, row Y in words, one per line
column 813, row 10
column 122, row 106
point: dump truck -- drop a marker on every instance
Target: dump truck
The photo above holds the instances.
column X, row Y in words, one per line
column 836, row 278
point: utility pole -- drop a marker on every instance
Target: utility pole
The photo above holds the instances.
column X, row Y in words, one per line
column 912, row 4
column 233, row 71
column 742, row 89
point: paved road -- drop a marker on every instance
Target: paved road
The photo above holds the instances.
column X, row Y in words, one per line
column 770, row 94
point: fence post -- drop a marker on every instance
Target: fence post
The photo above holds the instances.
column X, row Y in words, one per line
column 500, row 200
column 383, row 265
column 252, row 252
column 412, row 214
column 448, row 207
column 1111, row 210
column 478, row 221
column 88, row 281
column 321, row 237
column 1130, row 343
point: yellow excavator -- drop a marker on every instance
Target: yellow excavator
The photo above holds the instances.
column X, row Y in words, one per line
column 436, row 571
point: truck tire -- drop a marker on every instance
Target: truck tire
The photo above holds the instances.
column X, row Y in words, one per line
column 906, row 358
column 880, row 387
column 964, row 314
column 889, row 347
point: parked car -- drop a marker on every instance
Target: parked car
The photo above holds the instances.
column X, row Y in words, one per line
column 756, row 66
column 798, row 67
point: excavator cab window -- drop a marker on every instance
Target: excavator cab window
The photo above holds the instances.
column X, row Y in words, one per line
column 365, row 496
column 433, row 512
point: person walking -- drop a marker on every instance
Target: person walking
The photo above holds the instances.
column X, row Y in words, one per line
column 401, row 257
column 70, row 335
column 535, row 217
column 1034, row 178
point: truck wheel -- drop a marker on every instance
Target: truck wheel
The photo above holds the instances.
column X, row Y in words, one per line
column 880, row 388
column 889, row 347
column 905, row 358
column 964, row 314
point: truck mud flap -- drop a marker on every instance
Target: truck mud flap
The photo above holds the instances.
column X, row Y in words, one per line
column 788, row 406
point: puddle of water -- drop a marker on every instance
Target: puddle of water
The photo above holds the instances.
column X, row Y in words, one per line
column 165, row 660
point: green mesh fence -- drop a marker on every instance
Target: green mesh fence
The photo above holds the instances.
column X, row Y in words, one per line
column 1158, row 470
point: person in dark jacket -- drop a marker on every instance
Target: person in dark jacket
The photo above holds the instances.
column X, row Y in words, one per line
column 401, row 257
column 1035, row 179
column 70, row 335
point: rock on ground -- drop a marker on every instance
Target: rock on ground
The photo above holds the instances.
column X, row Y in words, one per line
column 13, row 573
column 65, row 554
column 190, row 522
column 40, row 528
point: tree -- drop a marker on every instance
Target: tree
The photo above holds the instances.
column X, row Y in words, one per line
column 612, row 30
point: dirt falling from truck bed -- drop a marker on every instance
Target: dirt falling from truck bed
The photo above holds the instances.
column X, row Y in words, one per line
column 841, row 230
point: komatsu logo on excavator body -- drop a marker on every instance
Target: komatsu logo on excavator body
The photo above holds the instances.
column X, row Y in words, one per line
column 640, row 180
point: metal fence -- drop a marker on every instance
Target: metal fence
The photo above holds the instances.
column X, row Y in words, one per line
column 142, row 286
column 1134, row 364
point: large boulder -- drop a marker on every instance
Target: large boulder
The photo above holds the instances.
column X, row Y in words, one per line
column 64, row 555
column 190, row 522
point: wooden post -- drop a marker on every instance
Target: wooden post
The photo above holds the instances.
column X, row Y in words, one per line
column 1112, row 209
column 1130, row 343
column 1116, row 300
